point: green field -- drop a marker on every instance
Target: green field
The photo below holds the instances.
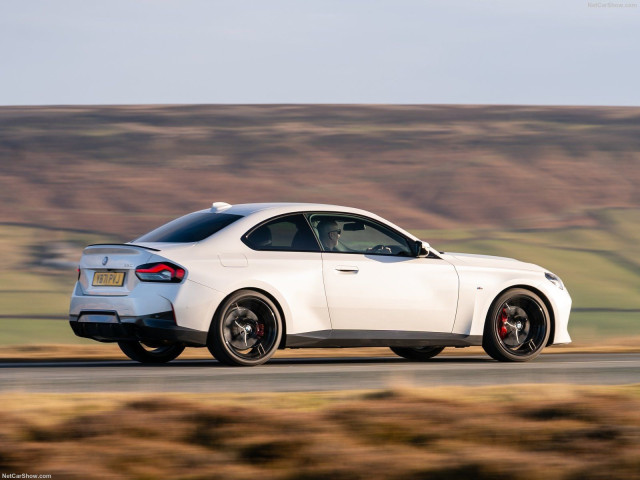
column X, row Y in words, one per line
column 599, row 264
column 34, row 296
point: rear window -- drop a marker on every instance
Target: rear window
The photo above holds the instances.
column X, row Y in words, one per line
column 190, row 228
column 290, row 233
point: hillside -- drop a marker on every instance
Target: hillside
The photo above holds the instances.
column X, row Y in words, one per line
column 124, row 169
column 556, row 186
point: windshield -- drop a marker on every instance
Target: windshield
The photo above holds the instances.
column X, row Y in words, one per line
column 190, row 228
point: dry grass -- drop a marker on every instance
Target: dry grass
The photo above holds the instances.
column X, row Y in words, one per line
column 523, row 432
column 36, row 353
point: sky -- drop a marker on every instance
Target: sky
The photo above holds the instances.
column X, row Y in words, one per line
column 544, row 52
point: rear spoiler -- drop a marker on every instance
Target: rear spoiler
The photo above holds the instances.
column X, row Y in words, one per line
column 121, row 245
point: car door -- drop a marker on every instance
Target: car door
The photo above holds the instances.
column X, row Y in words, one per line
column 373, row 282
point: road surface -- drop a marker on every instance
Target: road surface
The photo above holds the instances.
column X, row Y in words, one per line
column 289, row 375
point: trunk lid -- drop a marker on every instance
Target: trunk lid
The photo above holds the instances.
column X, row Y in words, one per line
column 99, row 261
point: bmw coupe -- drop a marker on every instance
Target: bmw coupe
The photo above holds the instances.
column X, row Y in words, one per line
column 246, row 280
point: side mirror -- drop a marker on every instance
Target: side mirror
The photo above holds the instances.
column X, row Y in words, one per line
column 421, row 249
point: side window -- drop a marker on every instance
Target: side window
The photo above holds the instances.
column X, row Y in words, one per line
column 290, row 233
column 350, row 234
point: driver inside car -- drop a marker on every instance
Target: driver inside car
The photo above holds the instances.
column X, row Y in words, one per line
column 329, row 233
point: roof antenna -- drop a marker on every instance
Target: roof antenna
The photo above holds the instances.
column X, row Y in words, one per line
column 219, row 206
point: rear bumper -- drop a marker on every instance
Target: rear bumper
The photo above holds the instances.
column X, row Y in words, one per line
column 193, row 304
column 160, row 328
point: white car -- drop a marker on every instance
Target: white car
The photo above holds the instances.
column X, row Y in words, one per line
column 245, row 280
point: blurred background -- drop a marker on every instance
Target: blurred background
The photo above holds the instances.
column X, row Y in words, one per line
column 557, row 186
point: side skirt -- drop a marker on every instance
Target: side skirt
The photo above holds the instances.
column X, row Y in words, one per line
column 380, row 338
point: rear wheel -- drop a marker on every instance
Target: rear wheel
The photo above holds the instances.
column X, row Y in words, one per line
column 246, row 330
column 145, row 354
column 517, row 328
column 419, row 354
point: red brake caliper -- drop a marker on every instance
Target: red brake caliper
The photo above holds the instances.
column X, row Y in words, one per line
column 503, row 320
column 260, row 330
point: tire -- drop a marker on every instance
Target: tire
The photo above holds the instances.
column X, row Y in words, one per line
column 246, row 330
column 420, row 354
column 141, row 353
column 517, row 326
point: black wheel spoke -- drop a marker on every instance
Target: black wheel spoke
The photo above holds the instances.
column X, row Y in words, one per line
column 250, row 329
column 518, row 328
column 522, row 325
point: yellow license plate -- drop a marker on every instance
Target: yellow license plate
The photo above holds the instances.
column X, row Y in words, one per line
column 108, row 279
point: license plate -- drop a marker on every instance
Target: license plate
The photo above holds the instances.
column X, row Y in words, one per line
column 108, row 279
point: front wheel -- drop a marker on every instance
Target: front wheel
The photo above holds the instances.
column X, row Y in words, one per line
column 246, row 330
column 141, row 353
column 419, row 354
column 517, row 327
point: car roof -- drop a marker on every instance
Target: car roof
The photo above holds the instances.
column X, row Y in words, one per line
column 245, row 209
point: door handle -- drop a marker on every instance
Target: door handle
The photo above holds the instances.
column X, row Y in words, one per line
column 347, row 268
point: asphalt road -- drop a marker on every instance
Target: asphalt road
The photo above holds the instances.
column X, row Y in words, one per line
column 288, row 375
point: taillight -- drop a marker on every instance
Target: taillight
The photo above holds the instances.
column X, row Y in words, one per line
column 160, row 272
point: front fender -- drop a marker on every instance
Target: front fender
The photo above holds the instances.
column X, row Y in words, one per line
column 479, row 288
